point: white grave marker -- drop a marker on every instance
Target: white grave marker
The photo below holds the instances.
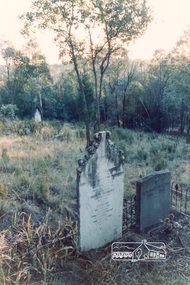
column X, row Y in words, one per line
column 100, row 186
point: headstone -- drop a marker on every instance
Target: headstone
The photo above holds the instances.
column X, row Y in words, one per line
column 153, row 199
column 100, row 187
column 37, row 116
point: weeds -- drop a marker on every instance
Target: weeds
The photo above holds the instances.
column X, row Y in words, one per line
column 142, row 154
column 122, row 134
column 28, row 251
column 40, row 170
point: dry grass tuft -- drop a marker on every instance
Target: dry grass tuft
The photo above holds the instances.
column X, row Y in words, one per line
column 29, row 253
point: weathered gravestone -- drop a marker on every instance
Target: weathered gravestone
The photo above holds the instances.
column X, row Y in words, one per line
column 100, row 186
column 153, row 199
column 37, row 116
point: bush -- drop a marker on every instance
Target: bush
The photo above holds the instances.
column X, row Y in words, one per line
column 122, row 134
column 30, row 127
column 9, row 111
column 24, row 182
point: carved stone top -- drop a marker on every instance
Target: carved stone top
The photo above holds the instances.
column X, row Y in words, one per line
column 111, row 148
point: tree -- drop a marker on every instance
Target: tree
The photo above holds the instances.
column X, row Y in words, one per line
column 92, row 29
column 179, row 88
column 158, row 77
column 16, row 64
column 112, row 90
column 89, row 94
column 26, row 79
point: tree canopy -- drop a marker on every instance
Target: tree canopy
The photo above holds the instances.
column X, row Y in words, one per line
column 90, row 30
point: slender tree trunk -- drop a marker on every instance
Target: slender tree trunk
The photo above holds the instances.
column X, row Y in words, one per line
column 124, row 110
column 87, row 121
column 116, row 111
column 182, row 118
column 84, row 104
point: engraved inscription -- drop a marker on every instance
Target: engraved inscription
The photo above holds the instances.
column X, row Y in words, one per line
column 103, row 210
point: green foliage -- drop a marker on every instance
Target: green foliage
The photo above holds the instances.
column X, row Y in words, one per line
column 170, row 148
column 122, row 145
column 41, row 191
column 123, row 134
column 30, row 127
column 24, row 182
column 25, row 127
column 9, row 111
column 142, row 154
column 89, row 94
column 159, row 163
column 185, row 150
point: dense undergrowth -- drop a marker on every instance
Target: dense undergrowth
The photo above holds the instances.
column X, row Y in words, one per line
column 38, row 206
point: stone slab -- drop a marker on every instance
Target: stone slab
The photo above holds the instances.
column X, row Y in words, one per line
column 153, row 199
column 100, row 187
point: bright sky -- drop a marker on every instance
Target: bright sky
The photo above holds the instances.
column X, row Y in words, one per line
column 171, row 18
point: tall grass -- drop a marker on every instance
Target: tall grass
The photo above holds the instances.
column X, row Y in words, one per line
column 38, row 180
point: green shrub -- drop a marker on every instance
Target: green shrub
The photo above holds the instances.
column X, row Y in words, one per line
column 103, row 128
column 30, row 127
column 122, row 134
column 125, row 135
column 8, row 110
column 56, row 124
column 24, row 182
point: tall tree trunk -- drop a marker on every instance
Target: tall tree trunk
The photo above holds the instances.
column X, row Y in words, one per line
column 123, row 111
column 116, row 111
column 182, row 118
column 87, row 121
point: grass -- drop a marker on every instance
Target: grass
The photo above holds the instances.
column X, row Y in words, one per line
column 38, row 178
